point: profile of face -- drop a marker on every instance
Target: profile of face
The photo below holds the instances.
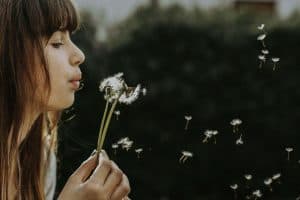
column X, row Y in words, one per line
column 63, row 58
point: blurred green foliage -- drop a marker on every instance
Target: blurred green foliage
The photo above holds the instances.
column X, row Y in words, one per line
column 202, row 63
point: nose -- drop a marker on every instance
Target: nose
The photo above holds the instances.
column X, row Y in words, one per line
column 77, row 56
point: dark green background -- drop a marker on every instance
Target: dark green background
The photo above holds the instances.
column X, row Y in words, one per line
column 202, row 63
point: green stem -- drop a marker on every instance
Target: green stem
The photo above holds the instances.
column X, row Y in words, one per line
column 101, row 127
column 107, row 124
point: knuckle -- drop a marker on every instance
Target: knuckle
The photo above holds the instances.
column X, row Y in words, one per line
column 92, row 189
column 118, row 173
column 107, row 163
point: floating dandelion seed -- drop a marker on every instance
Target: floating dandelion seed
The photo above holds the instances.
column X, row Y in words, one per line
column 239, row 141
column 261, row 27
column 262, row 59
column 268, row 182
column 289, row 150
column 138, row 151
column 235, row 124
column 123, row 140
column 265, row 51
column 188, row 119
column 127, row 145
column 208, row 134
column 117, row 113
column 248, row 177
column 275, row 60
column 115, row 146
column 276, row 177
column 262, row 38
column 234, row 187
column 185, row 156
column 257, row 194
column 144, row 91
column 81, row 85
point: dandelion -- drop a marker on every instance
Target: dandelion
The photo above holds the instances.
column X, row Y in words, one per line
column 117, row 113
column 275, row 60
column 234, row 187
column 208, row 134
column 115, row 146
column 257, row 194
column 116, row 91
column 262, row 38
column 138, row 151
column 235, row 124
column 185, row 156
column 239, row 141
column 289, row 150
column 262, row 59
column 188, row 119
column 268, row 182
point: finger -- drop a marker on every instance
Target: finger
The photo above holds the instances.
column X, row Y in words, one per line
column 122, row 191
column 114, row 179
column 102, row 170
column 86, row 168
column 103, row 152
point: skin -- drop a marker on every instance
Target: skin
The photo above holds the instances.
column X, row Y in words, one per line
column 98, row 177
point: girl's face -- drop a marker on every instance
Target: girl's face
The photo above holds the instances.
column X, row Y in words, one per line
column 63, row 58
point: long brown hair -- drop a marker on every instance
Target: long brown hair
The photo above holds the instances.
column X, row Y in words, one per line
column 22, row 66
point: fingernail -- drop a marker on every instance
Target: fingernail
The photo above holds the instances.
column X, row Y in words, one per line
column 93, row 153
column 104, row 153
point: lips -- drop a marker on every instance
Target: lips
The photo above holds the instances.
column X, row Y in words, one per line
column 75, row 81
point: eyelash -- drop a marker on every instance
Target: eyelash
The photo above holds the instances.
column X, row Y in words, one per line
column 57, row 45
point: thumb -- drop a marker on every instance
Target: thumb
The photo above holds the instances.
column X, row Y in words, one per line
column 87, row 167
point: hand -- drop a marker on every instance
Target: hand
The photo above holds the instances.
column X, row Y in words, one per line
column 96, row 179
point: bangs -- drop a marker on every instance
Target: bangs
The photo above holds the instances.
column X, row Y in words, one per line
column 60, row 15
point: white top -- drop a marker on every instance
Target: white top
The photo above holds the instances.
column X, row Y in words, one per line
column 50, row 175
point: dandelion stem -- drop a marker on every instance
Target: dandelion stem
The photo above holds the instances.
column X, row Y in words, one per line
column 107, row 123
column 101, row 126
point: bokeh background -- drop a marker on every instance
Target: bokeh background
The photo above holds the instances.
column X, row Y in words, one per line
column 198, row 58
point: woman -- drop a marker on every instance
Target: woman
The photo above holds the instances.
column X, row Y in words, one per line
column 39, row 74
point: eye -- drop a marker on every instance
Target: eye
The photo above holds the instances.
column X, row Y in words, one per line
column 57, row 45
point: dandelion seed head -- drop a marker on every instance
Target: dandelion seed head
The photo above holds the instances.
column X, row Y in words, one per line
column 261, row 37
column 114, row 146
column 117, row 112
column 275, row 60
column 248, row 176
column 268, row 181
column 289, row 149
column 261, row 27
column 234, row 186
column 112, row 86
column 128, row 97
